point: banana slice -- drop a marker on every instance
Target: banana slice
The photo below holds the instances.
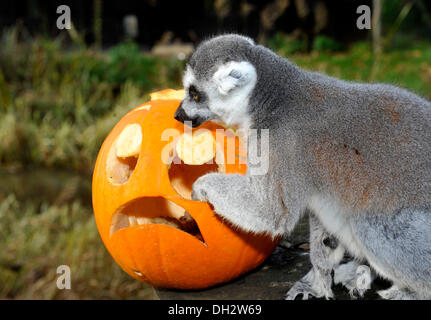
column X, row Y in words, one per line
column 129, row 141
column 196, row 148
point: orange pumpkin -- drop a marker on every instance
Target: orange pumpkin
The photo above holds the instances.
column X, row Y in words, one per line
column 145, row 214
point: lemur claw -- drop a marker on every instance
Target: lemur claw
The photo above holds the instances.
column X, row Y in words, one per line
column 305, row 289
column 199, row 193
column 198, row 196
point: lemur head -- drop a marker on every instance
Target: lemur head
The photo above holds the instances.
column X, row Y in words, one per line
column 218, row 82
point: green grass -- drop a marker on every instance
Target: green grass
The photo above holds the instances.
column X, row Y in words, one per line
column 405, row 67
column 37, row 239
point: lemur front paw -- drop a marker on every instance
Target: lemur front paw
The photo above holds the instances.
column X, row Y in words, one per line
column 201, row 186
column 199, row 194
column 306, row 287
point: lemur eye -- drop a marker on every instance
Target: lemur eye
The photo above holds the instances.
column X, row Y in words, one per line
column 194, row 94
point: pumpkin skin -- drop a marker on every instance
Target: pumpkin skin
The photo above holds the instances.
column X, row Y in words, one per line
column 159, row 254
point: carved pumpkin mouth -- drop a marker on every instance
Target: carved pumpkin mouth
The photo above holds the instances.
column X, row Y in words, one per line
column 154, row 210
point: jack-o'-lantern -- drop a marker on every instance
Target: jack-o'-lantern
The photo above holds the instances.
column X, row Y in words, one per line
column 142, row 186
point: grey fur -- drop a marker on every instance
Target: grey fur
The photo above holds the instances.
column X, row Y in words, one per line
column 318, row 281
column 355, row 277
column 357, row 155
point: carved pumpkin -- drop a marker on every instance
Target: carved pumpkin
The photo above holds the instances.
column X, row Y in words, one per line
column 143, row 208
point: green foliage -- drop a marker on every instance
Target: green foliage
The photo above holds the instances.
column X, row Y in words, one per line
column 390, row 10
column 414, row 22
column 57, row 105
column 409, row 68
column 285, row 45
column 326, row 44
column 125, row 62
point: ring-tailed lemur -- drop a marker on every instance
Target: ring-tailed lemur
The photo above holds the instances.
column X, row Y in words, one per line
column 358, row 156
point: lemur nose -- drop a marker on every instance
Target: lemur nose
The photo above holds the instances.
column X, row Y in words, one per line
column 180, row 114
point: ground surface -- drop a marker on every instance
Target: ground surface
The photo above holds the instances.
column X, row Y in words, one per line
column 271, row 280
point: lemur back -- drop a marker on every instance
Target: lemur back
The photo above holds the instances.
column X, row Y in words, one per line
column 367, row 144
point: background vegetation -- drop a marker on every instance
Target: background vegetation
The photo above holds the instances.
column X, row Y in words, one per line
column 59, row 98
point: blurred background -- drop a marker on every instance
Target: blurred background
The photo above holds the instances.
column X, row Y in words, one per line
column 62, row 91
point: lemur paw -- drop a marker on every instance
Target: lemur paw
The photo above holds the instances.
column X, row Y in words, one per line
column 306, row 287
column 306, row 291
column 395, row 293
column 199, row 195
column 362, row 283
column 299, row 289
column 364, row 278
column 356, row 278
column 200, row 188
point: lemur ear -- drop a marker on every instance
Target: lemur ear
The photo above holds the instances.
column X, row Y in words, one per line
column 234, row 74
